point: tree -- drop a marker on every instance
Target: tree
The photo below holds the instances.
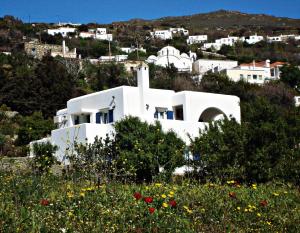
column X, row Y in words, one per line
column 144, row 149
column 33, row 128
column 291, row 75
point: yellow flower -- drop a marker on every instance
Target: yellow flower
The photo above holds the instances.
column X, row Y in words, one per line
column 254, row 186
column 70, row 214
column 158, row 184
column 276, row 194
column 238, row 208
column 189, row 211
column 70, row 194
column 165, row 205
column 82, row 194
column 185, row 207
column 269, row 223
column 163, row 196
column 258, row 214
column 285, row 192
column 172, row 193
column 202, row 210
column 230, row 182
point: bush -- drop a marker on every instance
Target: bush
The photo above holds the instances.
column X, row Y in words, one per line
column 43, row 157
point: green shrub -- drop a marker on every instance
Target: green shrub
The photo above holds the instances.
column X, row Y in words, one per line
column 43, row 157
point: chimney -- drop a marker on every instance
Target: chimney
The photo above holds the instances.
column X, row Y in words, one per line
column 268, row 63
column 64, row 48
column 253, row 63
column 143, row 85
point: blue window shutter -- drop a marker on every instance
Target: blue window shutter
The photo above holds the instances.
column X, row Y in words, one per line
column 170, row 115
column 156, row 115
column 110, row 116
column 98, row 117
column 196, row 157
column 76, row 120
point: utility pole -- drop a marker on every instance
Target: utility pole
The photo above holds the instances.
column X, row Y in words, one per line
column 109, row 50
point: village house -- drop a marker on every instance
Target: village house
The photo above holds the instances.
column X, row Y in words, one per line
column 256, row 72
column 179, row 31
column 253, row 39
column 203, row 66
column 99, row 34
column 230, row 41
column 62, row 30
column 196, row 39
column 132, row 49
column 162, row 34
column 297, row 101
column 38, row 50
column 170, row 55
column 94, row 115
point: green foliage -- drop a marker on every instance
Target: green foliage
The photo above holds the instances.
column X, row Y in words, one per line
column 94, row 160
column 258, row 149
column 143, row 149
column 291, row 75
column 105, row 76
column 33, row 127
column 43, row 158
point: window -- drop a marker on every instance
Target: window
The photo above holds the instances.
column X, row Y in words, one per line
column 178, row 110
column 105, row 116
column 160, row 113
column 249, row 76
column 241, row 76
column 260, row 77
column 255, row 76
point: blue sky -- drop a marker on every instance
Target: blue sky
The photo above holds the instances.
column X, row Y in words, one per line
column 106, row 11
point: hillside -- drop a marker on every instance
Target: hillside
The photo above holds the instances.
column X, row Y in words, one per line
column 222, row 19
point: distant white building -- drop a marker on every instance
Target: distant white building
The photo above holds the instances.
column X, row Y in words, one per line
column 180, row 31
column 203, row 66
column 297, row 101
column 132, row 49
column 162, row 34
column 253, row 39
column 282, row 38
column 62, row 30
column 170, row 55
column 116, row 58
column 95, row 114
column 99, row 34
column 230, row 41
column 87, row 35
column 197, row 39
column 256, row 72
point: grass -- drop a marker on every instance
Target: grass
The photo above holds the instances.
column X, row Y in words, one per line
column 55, row 204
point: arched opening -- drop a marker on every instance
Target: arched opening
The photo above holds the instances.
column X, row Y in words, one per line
column 211, row 114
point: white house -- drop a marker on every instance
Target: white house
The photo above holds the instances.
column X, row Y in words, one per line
column 132, row 49
column 297, row 101
column 94, row 115
column 253, row 39
column 197, row 39
column 256, row 72
column 203, row 66
column 62, row 30
column 99, row 34
column 162, row 34
column 87, row 35
column 183, row 31
column 170, row 55
column 116, row 58
column 230, row 41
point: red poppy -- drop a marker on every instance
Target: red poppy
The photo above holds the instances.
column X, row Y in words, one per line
column 148, row 199
column 172, row 203
column 44, row 202
column 263, row 203
column 232, row 195
column 151, row 210
column 137, row 196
